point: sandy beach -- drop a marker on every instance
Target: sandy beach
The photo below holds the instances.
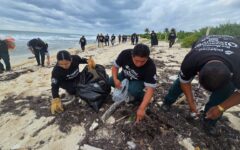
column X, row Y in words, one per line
column 26, row 121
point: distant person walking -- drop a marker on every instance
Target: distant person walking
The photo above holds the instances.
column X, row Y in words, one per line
column 136, row 39
column 154, row 39
column 171, row 37
column 133, row 38
column 119, row 38
column 39, row 49
column 106, row 40
column 113, row 39
column 101, row 40
column 83, row 43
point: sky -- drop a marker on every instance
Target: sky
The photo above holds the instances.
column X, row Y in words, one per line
column 115, row 16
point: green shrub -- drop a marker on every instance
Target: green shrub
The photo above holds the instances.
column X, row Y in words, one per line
column 189, row 40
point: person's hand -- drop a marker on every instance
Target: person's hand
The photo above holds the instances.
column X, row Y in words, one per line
column 194, row 115
column 213, row 113
column 91, row 63
column 56, row 106
column 117, row 84
column 140, row 115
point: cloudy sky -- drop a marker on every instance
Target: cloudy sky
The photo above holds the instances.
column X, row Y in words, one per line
column 115, row 16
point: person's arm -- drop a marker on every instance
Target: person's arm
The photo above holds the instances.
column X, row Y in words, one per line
column 56, row 105
column 31, row 49
column 48, row 59
column 146, row 100
column 216, row 111
column 187, row 90
column 55, row 88
column 116, row 81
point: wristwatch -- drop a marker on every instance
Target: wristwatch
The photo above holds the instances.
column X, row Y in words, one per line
column 220, row 108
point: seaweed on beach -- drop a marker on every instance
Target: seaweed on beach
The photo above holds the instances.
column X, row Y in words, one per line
column 159, row 130
column 14, row 74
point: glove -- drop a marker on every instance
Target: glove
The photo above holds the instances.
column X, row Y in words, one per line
column 194, row 115
column 91, row 63
column 56, row 106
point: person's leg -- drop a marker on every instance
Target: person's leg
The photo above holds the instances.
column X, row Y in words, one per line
column 135, row 88
column 216, row 98
column 120, row 77
column 1, row 67
column 6, row 59
column 42, row 53
column 37, row 56
column 174, row 92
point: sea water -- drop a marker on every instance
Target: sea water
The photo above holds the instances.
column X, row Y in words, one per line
column 56, row 42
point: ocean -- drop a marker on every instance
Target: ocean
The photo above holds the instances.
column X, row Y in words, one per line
column 56, row 42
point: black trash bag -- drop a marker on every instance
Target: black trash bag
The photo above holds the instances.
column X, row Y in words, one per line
column 93, row 86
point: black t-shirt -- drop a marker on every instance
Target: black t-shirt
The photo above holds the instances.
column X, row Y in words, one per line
column 60, row 75
column 38, row 44
column 172, row 36
column 83, row 40
column 3, row 46
column 146, row 73
column 214, row 47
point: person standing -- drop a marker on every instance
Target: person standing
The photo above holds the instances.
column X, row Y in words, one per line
column 106, row 40
column 101, row 40
column 154, row 39
column 119, row 38
column 83, row 43
column 113, row 39
column 39, row 49
column 171, row 37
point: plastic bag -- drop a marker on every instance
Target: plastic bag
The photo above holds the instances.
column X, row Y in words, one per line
column 122, row 93
column 93, row 86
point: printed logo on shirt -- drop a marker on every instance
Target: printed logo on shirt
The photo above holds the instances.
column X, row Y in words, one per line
column 73, row 75
column 130, row 73
column 229, row 52
column 54, row 81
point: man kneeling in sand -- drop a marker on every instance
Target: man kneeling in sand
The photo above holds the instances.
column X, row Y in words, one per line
column 140, row 70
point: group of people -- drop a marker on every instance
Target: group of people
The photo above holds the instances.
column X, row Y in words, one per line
column 171, row 38
column 134, row 39
column 38, row 48
column 104, row 40
column 214, row 58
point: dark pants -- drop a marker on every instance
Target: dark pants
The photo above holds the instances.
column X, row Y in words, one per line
column 83, row 47
column 38, row 54
column 216, row 98
column 4, row 54
column 107, row 43
column 171, row 42
column 135, row 88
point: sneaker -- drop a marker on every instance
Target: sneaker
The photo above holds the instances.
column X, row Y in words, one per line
column 165, row 107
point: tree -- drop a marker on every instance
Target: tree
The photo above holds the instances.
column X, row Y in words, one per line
column 147, row 31
column 166, row 33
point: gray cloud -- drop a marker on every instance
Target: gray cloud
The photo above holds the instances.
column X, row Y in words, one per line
column 115, row 16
